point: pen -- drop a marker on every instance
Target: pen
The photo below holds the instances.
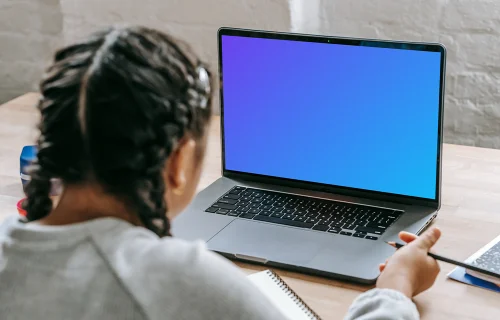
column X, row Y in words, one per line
column 451, row 261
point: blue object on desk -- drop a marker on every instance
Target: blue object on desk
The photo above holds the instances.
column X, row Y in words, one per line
column 28, row 155
column 460, row 275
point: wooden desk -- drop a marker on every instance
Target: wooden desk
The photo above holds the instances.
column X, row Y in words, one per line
column 469, row 218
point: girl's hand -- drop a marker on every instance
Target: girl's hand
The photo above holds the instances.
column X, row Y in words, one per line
column 410, row 270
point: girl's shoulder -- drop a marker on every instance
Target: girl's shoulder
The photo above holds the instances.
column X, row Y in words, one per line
column 159, row 271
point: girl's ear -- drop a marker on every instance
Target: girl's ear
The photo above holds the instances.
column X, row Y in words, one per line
column 179, row 165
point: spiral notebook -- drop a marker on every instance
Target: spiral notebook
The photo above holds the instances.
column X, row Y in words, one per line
column 281, row 295
column 488, row 258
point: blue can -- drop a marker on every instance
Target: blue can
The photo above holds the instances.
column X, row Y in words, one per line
column 28, row 155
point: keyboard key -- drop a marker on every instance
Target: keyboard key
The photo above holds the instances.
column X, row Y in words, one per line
column 254, row 211
column 321, row 227
column 274, row 209
column 239, row 188
column 266, row 207
column 384, row 212
column 235, row 213
column 247, row 193
column 232, row 196
column 246, row 198
column 300, row 218
column 285, row 222
column 288, row 211
column 382, row 221
column 359, row 235
column 371, row 238
column 276, row 215
column 212, row 209
column 300, row 212
column 289, row 216
column 350, row 227
column 370, row 230
column 338, row 224
column 234, row 191
column 325, row 222
column 312, row 220
column 247, row 216
column 361, row 222
column 257, row 200
column 397, row 213
column 376, row 226
column 254, row 205
column 268, row 202
column 279, row 204
column 224, row 206
column 227, row 201
column 257, row 195
column 264, row 213
column 334, row 230
column 222, row 211
column 345, row 233
column 243, row 209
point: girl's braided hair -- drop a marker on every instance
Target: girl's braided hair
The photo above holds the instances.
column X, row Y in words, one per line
column 113, row 108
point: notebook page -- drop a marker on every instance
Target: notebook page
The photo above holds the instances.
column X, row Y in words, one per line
column 278, row 297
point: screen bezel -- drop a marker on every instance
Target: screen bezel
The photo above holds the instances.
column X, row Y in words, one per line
column 375, row 195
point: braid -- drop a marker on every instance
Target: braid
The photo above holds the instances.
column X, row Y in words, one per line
column 39, row 203
column 58, row 143
column 154, row 216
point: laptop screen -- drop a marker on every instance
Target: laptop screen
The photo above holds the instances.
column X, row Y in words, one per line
column 361, row 117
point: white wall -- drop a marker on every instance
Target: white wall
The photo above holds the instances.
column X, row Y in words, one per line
column 31, row 29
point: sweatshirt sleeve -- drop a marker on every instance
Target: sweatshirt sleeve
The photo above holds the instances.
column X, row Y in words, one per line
column 384, row 304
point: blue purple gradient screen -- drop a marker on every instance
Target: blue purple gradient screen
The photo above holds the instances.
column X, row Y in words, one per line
column 351, row 116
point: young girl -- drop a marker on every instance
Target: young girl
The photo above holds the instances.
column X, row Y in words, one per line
column 124, row 117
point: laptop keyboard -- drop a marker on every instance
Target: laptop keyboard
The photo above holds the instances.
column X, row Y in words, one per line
column 335, row 217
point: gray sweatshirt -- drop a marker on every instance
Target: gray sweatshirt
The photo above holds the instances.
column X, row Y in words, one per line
column 109, row 269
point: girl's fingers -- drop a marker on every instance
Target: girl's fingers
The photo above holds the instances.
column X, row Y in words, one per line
column 407, row 237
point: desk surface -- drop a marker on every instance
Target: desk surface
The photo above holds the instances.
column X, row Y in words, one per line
column 469, row 218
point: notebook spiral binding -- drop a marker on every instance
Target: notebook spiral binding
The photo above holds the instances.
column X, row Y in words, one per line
column 296, row 299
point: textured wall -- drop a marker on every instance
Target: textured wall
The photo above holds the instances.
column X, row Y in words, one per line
column 31, row 29
column 470, row 31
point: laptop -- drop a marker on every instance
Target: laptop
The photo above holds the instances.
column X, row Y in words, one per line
column 330, row 146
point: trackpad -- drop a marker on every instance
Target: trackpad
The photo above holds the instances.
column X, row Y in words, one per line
column 262, row 242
